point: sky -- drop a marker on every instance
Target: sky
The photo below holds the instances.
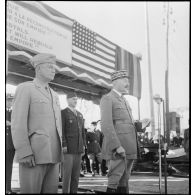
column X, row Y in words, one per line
column 124, row 23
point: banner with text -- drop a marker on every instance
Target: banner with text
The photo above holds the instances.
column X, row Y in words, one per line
column 37, row 33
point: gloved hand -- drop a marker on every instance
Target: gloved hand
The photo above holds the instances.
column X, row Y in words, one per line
column 119, row 152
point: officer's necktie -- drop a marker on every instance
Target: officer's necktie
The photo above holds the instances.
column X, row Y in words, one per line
column 75, row 112
column 48, row 91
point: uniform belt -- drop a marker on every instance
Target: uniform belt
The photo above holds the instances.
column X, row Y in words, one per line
column 119, row 121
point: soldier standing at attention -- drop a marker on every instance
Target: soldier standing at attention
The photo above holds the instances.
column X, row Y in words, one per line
column 36, row 129
column 120, row 139
column 73, row 144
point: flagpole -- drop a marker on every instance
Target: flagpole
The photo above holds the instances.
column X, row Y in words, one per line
column 150, row 75
column 167, row 79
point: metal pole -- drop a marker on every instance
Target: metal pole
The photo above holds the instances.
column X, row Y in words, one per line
column 167, row 79
column 165, row 147
column 159, row 148
column 150, row 74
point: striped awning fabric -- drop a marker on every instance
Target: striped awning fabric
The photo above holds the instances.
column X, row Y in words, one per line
column 131, row 63
column 69, row 71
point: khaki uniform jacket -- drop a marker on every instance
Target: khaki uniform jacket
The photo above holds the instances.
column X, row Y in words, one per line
column 36, row 123
column 117, row 127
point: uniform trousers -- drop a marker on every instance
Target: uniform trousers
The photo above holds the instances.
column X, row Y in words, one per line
column 9, row 165
column 92, row 157
column 104, row 167
column 95, row 159
column 116, row 172
column 71, row 166
column 43, row 178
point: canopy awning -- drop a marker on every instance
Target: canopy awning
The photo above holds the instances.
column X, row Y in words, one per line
column 69, row 71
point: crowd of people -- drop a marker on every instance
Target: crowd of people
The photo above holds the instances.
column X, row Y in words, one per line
column 177, row 141
column 49, row 142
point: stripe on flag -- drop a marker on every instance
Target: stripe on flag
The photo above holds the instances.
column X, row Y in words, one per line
column 127, row 61
column 92, row 51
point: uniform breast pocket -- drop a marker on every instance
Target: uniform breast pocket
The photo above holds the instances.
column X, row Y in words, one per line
column 119, row 111
column 70, row 122
column 39, row 106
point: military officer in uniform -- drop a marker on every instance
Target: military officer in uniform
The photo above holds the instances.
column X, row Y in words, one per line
column 36, row 129
column 73, row 144
column 120, row 140
column 10, row 150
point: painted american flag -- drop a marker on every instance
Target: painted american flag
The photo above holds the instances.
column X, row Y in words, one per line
column 92, row 52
